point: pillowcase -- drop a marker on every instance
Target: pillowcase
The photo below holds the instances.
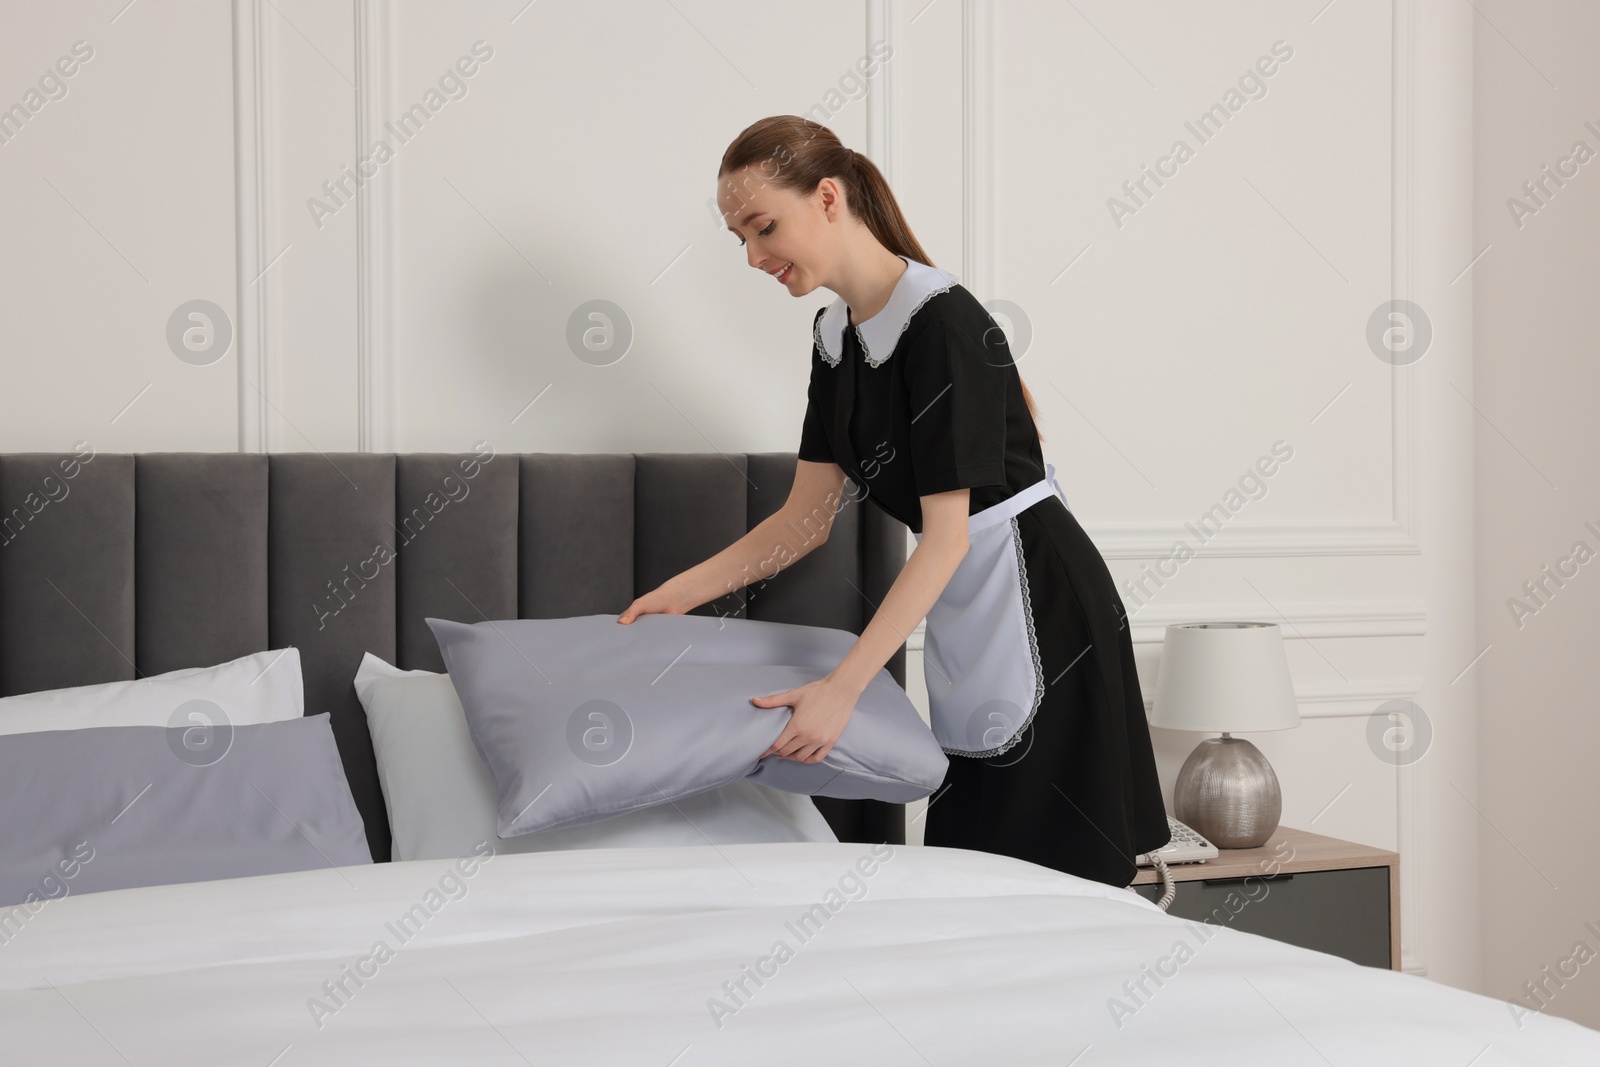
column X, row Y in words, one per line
column 583, row 718
column 114, row 807
column 261, row 687
column 441, row 801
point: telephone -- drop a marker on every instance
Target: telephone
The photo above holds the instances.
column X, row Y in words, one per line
column 1186, row 846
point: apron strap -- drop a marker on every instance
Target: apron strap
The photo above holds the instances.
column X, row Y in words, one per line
column 1016, row 503
column 1050, row 476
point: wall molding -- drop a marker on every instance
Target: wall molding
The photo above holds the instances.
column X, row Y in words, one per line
column 255, row 232
column 261, row 230
column 375, row 356
column 1155, row 540
column 1330, row 700
column 1396, row 535
column 1301, row 620
column 880, row 100
column 977, row 147
column 1411, row 781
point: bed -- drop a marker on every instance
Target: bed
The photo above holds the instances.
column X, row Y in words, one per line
column 859, row 950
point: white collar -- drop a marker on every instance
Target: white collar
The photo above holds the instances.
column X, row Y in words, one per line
column 879, row 334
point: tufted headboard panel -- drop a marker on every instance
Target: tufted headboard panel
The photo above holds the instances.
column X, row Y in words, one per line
column 117, row 566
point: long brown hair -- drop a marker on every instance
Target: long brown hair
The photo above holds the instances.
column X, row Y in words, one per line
column 795, row 153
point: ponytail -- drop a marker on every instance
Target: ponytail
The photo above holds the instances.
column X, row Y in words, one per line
column 795, row 153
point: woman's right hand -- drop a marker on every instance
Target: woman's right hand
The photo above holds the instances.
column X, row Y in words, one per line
column 659, row 601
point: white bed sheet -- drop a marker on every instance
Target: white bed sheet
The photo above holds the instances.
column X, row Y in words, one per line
column 619, row 956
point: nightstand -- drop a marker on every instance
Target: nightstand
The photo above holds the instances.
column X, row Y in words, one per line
column 1313, row 891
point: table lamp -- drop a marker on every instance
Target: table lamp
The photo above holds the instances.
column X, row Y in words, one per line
column 1223, row 677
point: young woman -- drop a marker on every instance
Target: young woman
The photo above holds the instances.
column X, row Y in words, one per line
column 914, row 395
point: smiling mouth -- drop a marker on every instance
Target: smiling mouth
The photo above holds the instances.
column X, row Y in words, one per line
column 783, row 275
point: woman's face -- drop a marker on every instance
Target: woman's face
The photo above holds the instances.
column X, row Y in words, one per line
column 783, row 233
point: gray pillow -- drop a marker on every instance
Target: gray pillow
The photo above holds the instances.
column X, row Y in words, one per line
column 120, row 806
column 582, row 718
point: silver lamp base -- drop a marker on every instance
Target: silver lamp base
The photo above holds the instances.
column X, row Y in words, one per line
column 1228, row 793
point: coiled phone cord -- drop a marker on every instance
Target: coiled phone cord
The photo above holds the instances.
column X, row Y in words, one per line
column 1168, row 885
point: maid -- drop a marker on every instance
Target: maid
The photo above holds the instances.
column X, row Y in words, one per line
column 913, row 394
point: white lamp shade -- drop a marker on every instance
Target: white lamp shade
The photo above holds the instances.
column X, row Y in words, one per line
column 1224, row 677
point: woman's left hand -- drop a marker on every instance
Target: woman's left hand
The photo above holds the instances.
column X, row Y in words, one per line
column 821, row 710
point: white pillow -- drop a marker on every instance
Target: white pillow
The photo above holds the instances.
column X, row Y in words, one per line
column 260, row 687
column 442, row 801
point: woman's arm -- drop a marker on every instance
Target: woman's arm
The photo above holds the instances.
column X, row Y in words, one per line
column 921, row 580
column 788, row 534
column 822, row 708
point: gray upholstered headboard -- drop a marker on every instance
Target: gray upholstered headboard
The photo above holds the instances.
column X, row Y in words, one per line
column 116, row 566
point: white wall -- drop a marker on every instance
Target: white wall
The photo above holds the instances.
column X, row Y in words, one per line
column 1168, row 353
column 1538, row 479
column 116, row 207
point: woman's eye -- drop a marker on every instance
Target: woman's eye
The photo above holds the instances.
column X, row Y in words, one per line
column 767, row 230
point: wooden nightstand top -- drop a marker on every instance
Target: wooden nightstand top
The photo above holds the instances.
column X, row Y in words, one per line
column 1293, row 850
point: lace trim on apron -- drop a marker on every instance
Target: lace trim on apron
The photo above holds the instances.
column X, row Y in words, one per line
column 1033, row 651
column 974, row 658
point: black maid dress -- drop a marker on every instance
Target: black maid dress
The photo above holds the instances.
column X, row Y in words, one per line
column 1028, row 657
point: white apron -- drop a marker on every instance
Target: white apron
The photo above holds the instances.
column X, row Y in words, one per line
column 981, row 655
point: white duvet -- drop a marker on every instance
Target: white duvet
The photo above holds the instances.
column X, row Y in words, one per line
column 802, row 953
